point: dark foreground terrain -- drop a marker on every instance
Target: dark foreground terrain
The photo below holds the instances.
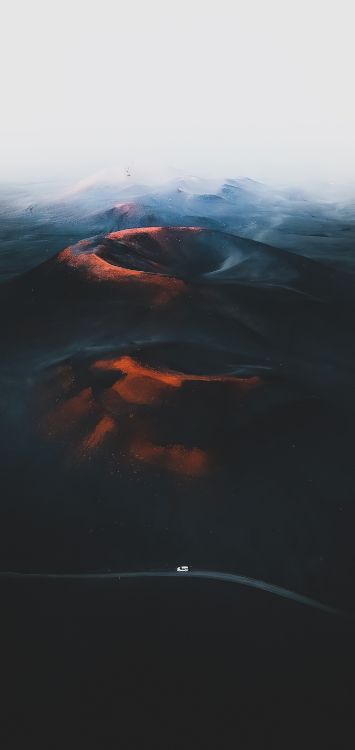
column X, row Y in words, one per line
column 177, row 388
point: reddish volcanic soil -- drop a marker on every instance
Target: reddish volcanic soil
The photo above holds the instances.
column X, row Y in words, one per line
column 131, row 416
column 96, row 262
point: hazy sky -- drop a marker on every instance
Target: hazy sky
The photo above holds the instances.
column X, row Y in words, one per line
column 262, row 88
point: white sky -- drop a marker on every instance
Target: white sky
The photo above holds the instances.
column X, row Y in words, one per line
column 262, row 88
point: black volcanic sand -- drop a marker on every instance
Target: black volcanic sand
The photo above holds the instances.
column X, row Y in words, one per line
column 172, row 397
column 171, row 663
